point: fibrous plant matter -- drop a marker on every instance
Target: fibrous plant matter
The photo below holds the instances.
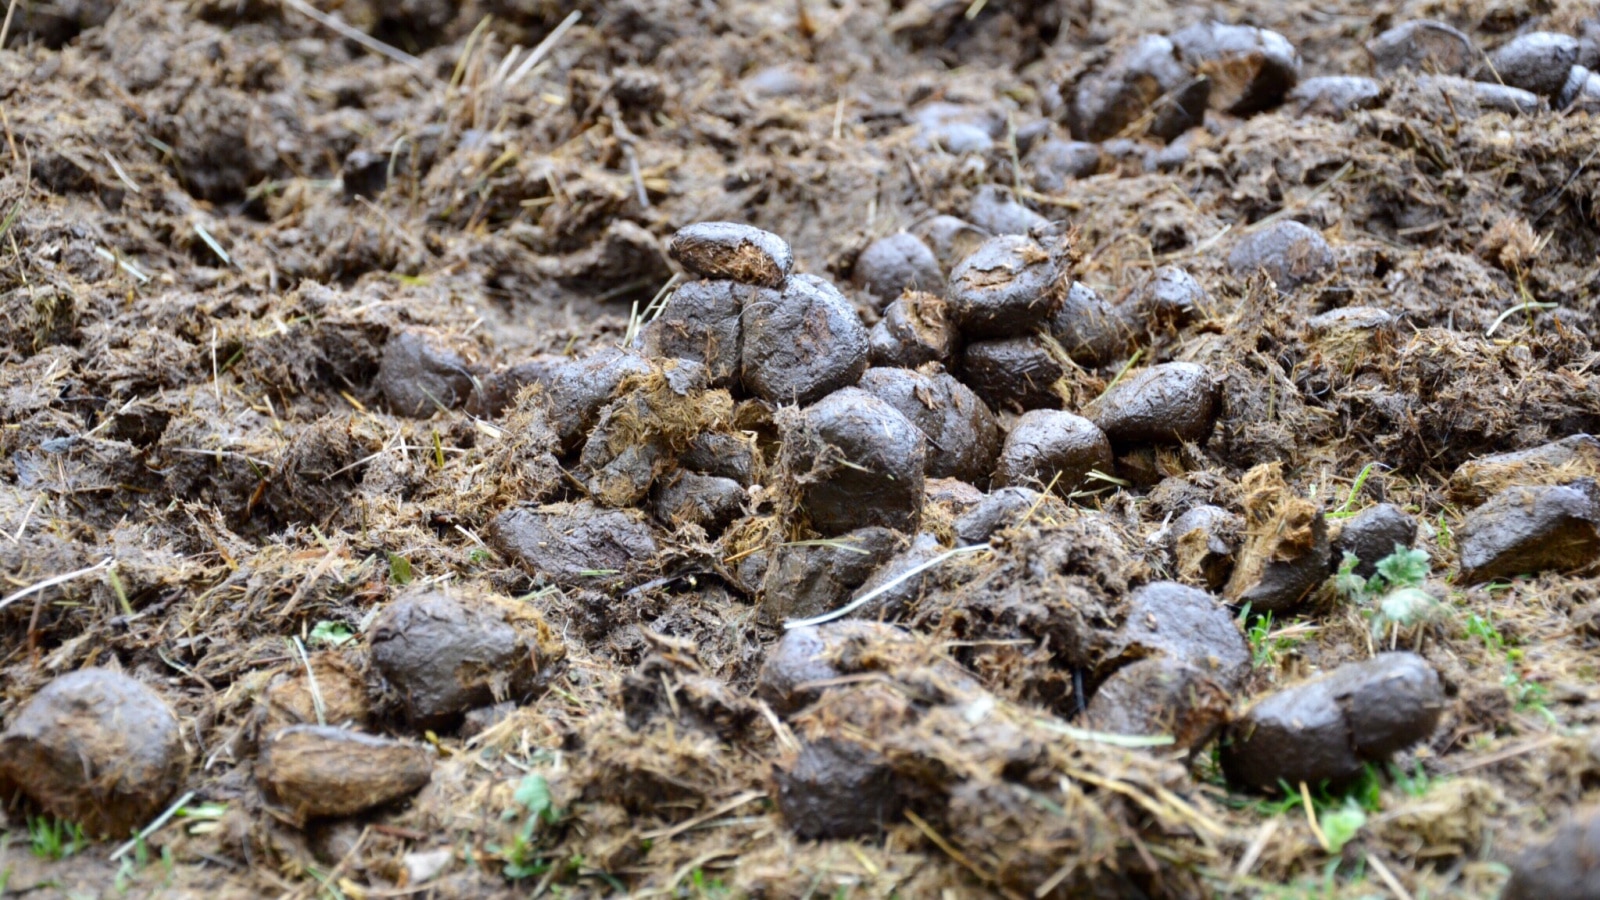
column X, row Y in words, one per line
column 926, row 448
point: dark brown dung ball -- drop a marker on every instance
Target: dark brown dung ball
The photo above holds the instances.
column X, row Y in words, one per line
column 97, row 748
column 445, row 653
column 419, row 378
column 741, row 253
column 1423, row 45
column 580, row 388
column 1169, row 403
column 1050, row 446
column 1290, row 253
column 856, row 462
column 803, row 345
column 1144, row 78
column 806, row 656
column 317, row 771
column 1089, row 328
column 1017, row 373
column 567, row 543
column 915, row 329
column 893, row 264
column 1531, row 529
column 1326, row 729
column 963, row 437
column 1250, row 69
column 1009, row 286
column 701, row 322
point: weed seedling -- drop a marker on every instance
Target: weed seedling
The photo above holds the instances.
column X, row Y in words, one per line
column 1344, row 510
column 1341, row 825
column 1485, row 630
column 334, row 634
column 1392, row 600
column 702, row 888
column 1415, row 784
column 399, row 569
column 1267, row 644
column 525, row 857
column 1526, row 695
column 54, row 839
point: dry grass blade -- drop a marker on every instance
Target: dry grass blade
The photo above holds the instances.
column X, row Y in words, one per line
column 5, row 30
column 212, row 243
column 11, row 218
column 466, row 54
column 32, row 589
column 689, row 824
column 365, row 40
column 545, row 46
column 122, row 264
column 311, row 681
column 1258, row 844
column 153, row 827
column 950, row 849
column 890, row 585
column 122, row 175
column 1107, row 738
column 1117, row 379
column 1311, row 818
column 1388, row 877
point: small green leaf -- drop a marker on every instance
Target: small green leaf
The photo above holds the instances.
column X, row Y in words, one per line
column 208, row 810
column 1342, row 825
column 1404, row 568
column 399, row 569
column 1347, row 582
column 1408, row 606
column 534, row 795
column 334, row 634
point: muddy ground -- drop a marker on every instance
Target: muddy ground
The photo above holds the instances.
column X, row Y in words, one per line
column 218, row 214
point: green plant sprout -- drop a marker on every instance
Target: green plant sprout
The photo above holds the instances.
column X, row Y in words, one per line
column 1392, row 600
column 55, row 839
column 1266, row 644
column 1344, row 511
column 333, row 634
column 1526, row 695
column 524, row 856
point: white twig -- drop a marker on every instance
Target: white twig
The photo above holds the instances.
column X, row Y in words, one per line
column 311, row 679
column 365, row 40
column 6, row 28
column 153, row 827
column 117, row 168
column 212, row 243
column 882, row 589
column 1387, row 875
column 638, row 179
column 505, row 65
column 1520, row 307
column 1106, row 737
column 123, row 264
column 544, row 48
column 52, row 582
column 17, row 538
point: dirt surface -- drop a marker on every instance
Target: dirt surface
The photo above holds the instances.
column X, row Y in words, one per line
column 335, row 395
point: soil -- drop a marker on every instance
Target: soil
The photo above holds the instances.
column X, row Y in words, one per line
column 423, row 527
